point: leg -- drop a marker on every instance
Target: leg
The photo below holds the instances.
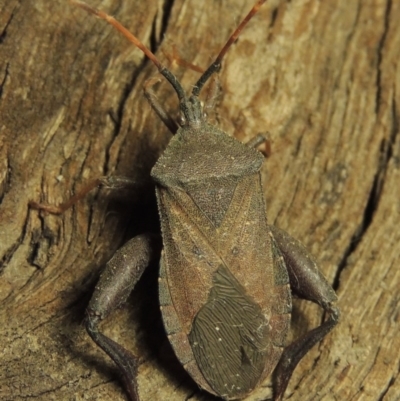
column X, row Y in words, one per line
column 307, row 282
column 107, row 182
column 117, row 281
column 155, row 104
column 213, row 91
column 261, row 139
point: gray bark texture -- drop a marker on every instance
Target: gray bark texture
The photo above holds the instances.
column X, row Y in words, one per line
column 322, row 77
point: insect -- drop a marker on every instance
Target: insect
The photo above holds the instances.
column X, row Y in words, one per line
column 226, row 276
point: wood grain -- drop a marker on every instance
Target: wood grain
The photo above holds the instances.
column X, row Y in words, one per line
column 322, row 77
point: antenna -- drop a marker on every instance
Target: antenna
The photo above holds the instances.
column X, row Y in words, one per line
column 171, row 78
column 216, row 65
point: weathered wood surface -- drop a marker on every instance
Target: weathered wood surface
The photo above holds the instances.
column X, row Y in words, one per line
column 323, row 77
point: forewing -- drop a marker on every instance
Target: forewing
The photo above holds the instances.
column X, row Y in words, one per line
column 221, row 278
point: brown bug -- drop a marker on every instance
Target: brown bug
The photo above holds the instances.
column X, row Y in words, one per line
column 226, row 275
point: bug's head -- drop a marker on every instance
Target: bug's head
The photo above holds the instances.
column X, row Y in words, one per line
column 191, row 112
column 190, row 106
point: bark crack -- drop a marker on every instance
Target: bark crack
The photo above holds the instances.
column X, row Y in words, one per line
column 369, row 211
column 160, row 25
column 385, row 391
column 52, row 390
column 3, row 33
column 155, row 43
column 386, row 154
column 8, row 254
column 5, row 77
column 117, row 116
column 6, row 182
column 380, row 55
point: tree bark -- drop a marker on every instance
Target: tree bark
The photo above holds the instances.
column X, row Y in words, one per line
column 322, row 77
